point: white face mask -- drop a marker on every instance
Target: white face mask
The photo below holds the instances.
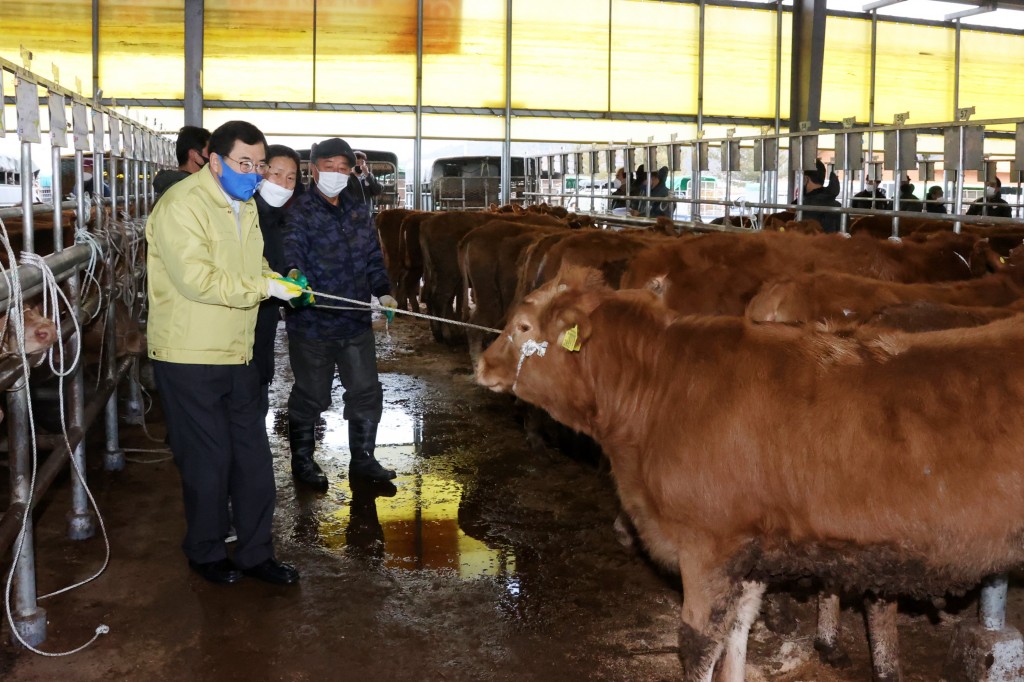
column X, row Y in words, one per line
column 990, row 191
column 616, row 183
column 330, row 184
column 275, row 195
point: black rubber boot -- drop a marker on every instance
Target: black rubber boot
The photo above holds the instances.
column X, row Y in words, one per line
column 362, row 438
column 304, row 467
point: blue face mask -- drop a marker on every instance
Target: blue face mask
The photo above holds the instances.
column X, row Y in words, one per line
column 241, row 186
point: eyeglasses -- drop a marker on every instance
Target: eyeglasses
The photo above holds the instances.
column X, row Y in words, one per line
column 247, row 166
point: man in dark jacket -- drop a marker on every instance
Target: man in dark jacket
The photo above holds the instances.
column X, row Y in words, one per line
column 192, row 150
column 272, row 198
column 934, row 200
column 659, row 189
column 872, row 196
column 992, row 204
column 330, row 237
column 908, row 200
column 816, row 193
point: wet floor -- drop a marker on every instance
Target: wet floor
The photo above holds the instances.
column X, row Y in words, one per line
column 485, row 560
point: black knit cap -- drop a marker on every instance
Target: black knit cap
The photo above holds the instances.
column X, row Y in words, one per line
column 817, row 176
column 334, row 146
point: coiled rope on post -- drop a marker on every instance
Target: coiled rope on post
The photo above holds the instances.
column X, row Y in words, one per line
column 379, row 308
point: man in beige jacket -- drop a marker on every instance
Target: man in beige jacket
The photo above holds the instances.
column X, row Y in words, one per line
column 207, row 276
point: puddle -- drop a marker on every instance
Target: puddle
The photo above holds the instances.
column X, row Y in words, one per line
column 412, row 524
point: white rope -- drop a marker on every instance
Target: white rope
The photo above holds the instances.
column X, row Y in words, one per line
column 380, row 308
column 16, row 311
column 529, row 347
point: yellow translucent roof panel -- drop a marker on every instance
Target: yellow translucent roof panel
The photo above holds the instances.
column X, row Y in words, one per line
column 56, row 32
column 560, row 54
column 366, row 51
column 914, row 72
column 259, row 53
column 742, row 43
column 654, row 57
column 142, row 48
column 471, row 74
column 990, row 68
column 846, row 78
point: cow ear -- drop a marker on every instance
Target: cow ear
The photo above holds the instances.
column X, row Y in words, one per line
column 574, row 329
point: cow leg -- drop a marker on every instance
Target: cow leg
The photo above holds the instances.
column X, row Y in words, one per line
column 884, row 640
column 709, row 609
column 826, row 640
column 734, row 665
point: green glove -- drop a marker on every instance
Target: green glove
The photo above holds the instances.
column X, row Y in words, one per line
column 388, row 305
column 305, row 299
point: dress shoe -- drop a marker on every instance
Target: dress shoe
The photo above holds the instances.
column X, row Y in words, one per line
column 274, row 572
column 222, row 572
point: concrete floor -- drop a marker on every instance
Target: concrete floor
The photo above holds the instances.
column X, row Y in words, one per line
column 486, row 561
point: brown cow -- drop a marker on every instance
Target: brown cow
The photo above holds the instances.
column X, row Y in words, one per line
column 719, row 273
column 904, row 474
column 833, row 296
column 389, row 231
column 411, row 255
column 490, row 259
column 40, row 334
column 442, row 281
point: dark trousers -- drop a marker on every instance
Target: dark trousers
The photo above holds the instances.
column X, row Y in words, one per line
column 267, row 319
column 220, row 445
column 314, row 364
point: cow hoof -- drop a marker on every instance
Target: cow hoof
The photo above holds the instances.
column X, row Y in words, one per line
column 832, row 655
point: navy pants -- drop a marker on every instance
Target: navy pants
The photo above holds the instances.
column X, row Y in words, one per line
column 314, row 364
column 219, row 442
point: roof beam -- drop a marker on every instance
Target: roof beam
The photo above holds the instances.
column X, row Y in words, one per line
column 974, row 11
column 879, row 4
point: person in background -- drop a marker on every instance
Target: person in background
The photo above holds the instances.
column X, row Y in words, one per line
column 992, row 204
column 872, row 196
column 206, row 278
column 621, row 185
column 659, row 209
column 361, row 179
column 816, row 193
column 192, row 150
column 933, row 205
column 908, row 200
column 272, row 198
column 330, row 237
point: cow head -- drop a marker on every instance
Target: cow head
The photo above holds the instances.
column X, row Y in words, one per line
column 537, row 356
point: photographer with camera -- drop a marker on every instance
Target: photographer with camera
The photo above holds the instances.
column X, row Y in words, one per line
column 361, row 181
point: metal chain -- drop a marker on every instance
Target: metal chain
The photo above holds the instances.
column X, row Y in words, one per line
column 373, row 306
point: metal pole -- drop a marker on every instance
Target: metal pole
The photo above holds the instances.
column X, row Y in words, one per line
column 28, row 242
column 898, row 175
column 506, row 147
column 992, row 605
column 958, row 201
column 417, row 148
column 29, row 619
column 113, row 455
column 194, row 10
column 700, row 67
column 96, row 49
column 956, row 70
column 80, row 520
column 778, row 97
column 871, row 103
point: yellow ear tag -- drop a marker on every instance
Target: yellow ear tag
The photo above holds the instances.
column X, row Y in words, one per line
column 571, row 341
column 1002, row 261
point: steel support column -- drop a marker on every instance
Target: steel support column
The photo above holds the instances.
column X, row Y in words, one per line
column 417, row 147
column 506, row 147
column 808, row 55
column 194, row 62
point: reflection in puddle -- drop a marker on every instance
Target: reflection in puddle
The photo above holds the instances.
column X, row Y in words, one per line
column 413, row 524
